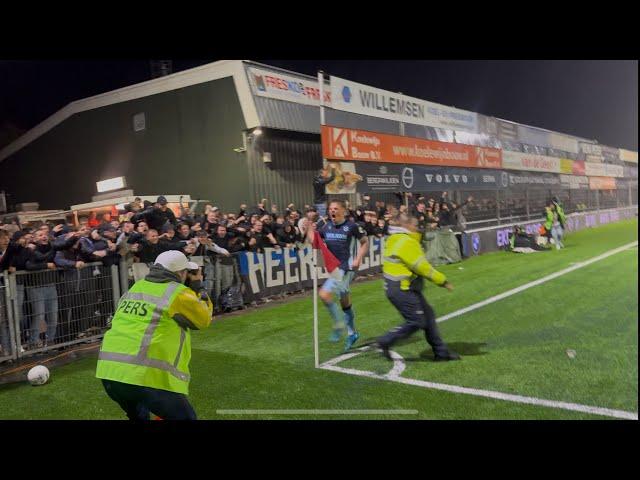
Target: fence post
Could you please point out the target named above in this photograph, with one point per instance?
(13, 339)
(13, 308)
(123, 270)
(115, 285)
(498, 206)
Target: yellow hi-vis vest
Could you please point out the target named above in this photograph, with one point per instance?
(404, 260)
(145, 345)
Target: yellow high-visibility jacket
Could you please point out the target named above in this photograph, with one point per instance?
(404, 260)
(149, 343)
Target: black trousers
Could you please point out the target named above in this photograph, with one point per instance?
(418, 315)
(139, 402)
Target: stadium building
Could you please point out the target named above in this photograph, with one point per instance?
(236, 131)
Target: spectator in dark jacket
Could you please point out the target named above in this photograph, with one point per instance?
(211, 223)
(17, 253)
(258, 240)
(93, 248)
(148, 248)
(42, 291)
(15, 259)
(223, 238)
(446, 219)
(157, 215)
(286, 235)
(168, 239)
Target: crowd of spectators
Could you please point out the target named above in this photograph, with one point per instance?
(143, 230)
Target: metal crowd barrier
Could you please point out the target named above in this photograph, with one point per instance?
(7, 333)
(47, 310)
(219, 273)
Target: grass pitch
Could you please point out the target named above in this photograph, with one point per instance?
(263, 359)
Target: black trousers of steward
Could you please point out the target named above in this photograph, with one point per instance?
(417, 313)
(139, 402)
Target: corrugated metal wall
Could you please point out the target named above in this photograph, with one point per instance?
(295, 159)
(186, 147)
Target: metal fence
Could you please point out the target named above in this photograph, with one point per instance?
(498, 207)
(7, 335)
(50, 309)
(219, 273)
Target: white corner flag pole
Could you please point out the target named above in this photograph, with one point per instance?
(316, 349)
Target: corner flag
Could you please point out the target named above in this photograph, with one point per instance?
(327, 259)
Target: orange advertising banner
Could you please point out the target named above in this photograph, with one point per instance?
(602, 183)
(348, 144)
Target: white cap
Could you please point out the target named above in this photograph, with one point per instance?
(174, 261)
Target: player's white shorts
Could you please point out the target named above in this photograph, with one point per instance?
(339, 287)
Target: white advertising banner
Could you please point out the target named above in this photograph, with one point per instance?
(574, 182)
(614, 170)
(364, 100)
(530, 162)
(590, 149)
(603, 170)
(593, 169)
(265, 83)
(533, 136)
(564, 143)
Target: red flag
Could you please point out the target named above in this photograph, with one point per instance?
(327, 259)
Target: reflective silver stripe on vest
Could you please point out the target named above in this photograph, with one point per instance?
(417, 262)
(396, 278)
(145, 297)
(391, 260)
(146, 362)
(155, 318)
(183, 335)
(430, 273)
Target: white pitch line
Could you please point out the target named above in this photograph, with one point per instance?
(576, 407)
(317, 412)
(398, 362)
(526, 286)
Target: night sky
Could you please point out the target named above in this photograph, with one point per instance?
(591, 99)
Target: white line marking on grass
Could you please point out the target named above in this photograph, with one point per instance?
(317, 412)
(576, 407)
(526, 286)
(399, 366)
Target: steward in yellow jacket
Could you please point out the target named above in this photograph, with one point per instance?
(404, 268)
(144, 358)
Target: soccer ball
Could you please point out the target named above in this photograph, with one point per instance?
(38, 375)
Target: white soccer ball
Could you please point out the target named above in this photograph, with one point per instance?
(38, 375)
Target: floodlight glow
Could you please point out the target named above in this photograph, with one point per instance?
(110, 184)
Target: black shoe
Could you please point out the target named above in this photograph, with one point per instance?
(449, 356)
(385, 352)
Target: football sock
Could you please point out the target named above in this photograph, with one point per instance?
(337, 316)
(349, 317)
